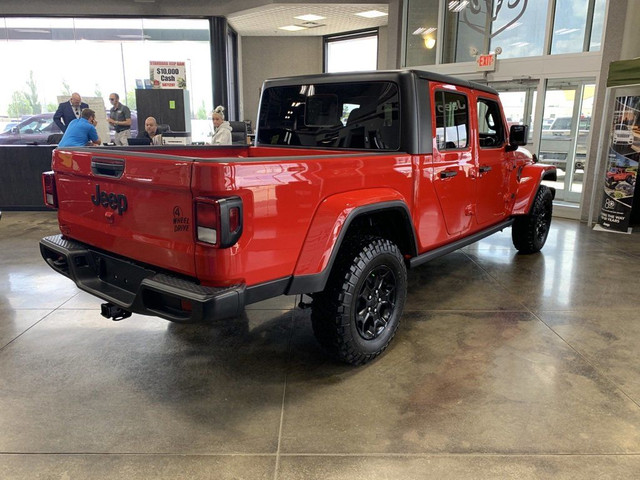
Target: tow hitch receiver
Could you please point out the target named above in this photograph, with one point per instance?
(115, 313)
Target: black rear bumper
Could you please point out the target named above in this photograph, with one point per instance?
(138, 288)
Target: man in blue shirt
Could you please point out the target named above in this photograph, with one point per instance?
(81, 131)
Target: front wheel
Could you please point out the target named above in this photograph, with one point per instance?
(529, 232)
(357, 315)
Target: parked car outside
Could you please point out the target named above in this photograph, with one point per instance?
(556, 141)
(34, 130)
(622, 134)
(561, 127)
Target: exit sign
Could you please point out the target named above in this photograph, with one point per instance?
(486, 62)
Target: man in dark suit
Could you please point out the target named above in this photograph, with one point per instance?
(68, 111)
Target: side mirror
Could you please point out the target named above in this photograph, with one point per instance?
(518, 135)
(15, 130)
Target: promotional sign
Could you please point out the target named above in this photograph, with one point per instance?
(622, 165)
(167, 74)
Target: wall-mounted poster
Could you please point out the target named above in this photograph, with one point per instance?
(622, 165)
(167, 74)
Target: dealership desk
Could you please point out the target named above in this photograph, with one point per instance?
(21, 167)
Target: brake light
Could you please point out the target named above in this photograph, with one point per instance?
(218, 221)
(49, 193)
(207, 222)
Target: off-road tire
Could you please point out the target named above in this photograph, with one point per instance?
(529, 232)
(357, 315)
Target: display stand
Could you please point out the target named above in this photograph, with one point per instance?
(614, 207)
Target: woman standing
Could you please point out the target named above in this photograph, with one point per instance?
(221, 128)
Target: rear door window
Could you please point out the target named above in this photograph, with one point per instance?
(452, 120)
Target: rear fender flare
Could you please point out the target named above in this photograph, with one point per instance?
(329, 227)
(531, 177)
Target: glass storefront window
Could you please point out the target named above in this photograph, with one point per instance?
(102, 56)
(351, 52)
(514, 104)
(595, 43)
(565, 134)
(518, 103)
(17, 28)
(422, 32)
(518, 27)
(465, 27)
(569, 29)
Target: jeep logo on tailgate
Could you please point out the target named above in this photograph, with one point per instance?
(112, 200)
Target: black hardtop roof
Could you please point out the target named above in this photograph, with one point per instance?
(377, 75)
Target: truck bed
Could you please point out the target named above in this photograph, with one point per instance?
(138, 202)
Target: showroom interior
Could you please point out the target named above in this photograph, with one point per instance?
(504, 365)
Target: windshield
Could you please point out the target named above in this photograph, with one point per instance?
(337, 115)
(36, 124)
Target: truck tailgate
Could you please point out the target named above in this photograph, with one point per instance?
(133, 204)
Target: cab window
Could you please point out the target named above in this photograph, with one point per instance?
(452, 120)
(490, 127)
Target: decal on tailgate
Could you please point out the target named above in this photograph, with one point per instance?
(110, 200)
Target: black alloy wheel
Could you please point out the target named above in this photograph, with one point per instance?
(529, 232)
(376, 302)
(357, 315)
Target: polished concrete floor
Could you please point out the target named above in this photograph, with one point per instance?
(504, 366)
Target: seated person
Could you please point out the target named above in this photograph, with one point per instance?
(221, 128)
(81, 131)
(151, 131)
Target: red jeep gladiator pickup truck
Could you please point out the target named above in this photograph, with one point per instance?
(353, 179)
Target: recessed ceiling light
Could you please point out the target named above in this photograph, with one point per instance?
(292, 28)
(565, 31)
(310, 18)
(424, 31)
(372, 14)
(458, 5)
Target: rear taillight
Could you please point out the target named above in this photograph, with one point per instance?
(218, 221)
(49, 190)
(207, 222)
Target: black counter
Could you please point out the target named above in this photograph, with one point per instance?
(21, 167)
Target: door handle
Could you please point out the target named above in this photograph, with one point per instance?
(448, 173)
(107, 167)
(485, 169)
